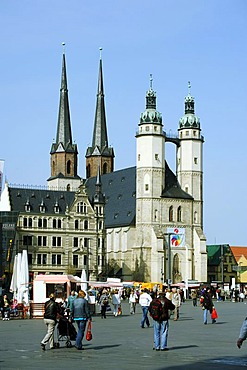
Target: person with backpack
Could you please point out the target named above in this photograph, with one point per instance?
(159, 311)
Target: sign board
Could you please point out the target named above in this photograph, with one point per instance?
(8, 226)
(177, 236)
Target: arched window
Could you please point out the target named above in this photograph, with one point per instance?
(88, 170)
(86, 224)
(54, 223)
(30, 222)
(25, 222)
(68, 167)
(76, 224)
(45, 223)
(53, 168)
(59, 224)
(68, 187)
(195, 217)
(179, 214)
(171, 213)
(105, 168)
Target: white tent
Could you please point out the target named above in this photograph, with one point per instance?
(13, 285)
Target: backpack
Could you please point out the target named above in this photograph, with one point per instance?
(105, 301)
(155, 309)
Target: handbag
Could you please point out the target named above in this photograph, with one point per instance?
(214, 314)
(89, 335)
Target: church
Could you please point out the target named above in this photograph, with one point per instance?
(142, 223)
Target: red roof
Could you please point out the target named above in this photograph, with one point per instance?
(238, 252)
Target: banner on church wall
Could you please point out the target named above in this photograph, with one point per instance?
(177, 236)
(1, 175)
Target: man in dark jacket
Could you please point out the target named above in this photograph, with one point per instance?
(161, 324)
(50, 315)
(80, 313)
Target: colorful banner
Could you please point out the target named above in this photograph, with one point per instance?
(177, 236)
(1, 175)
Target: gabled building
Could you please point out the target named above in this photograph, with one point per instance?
(240, 256)
(221, 264)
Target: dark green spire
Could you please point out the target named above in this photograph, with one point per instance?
(64, 133)
(100, 133)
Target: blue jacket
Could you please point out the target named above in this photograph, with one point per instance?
(243, 330)
(80, 309)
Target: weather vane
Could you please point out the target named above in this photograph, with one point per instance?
(189, 87)
(151, 81)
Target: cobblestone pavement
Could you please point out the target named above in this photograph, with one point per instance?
(119, 343)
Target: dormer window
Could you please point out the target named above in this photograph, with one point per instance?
(42, 207)
(56, 208)
(27, 206)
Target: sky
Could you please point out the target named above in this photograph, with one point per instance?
(201, 41)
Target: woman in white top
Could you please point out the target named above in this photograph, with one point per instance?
(116, 302)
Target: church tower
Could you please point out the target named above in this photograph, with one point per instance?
(99, 153)
(63, 151)
(150, 162)
(190, 157)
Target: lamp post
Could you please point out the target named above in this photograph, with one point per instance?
(169, 278)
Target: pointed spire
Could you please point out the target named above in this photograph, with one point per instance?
(98, 196)
(64, 135)
(100, 133)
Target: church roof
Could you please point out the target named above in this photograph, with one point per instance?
(172, 186)
(119, 188)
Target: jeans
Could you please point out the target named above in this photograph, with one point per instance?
(145, 316)
(80, 334)
(49, 337)
(160, 334)
(205, 315)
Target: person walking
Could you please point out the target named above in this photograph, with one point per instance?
(104, 302)
(176, 300)
(116, 302)
(242, 334)
(50, 315)
(133, 298)
(159, 310)
(80, 314)
(194, 297)
(144, 301)
(5, 307)
(70, 300)
(207, 304)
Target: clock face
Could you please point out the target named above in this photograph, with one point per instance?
(151, 101)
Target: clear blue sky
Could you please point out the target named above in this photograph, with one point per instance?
(177, 41)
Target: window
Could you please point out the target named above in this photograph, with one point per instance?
(76, 225)
(25, 222)
(56, 208)
(30, 222)
(27, 240)
(75, 244)
(147, 128)
(139, 157)
(59, 224)
(54, 223)
(146, 187)
(155, 128)
(195, 217)
(187, 133)
(75, 260)
(42, 208)
(194, 133)
(56, 241)
(85, 260)
(42, 241)
(171, 213)
(104, 168)
(81, 207)
(86, 224)
(98, 260)
(186, 189)
(41, 259)
(156, 156)
(42, 223)
(86, 243)
(56, 259)
(69, 167)
(179, 214)
(195, 160)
